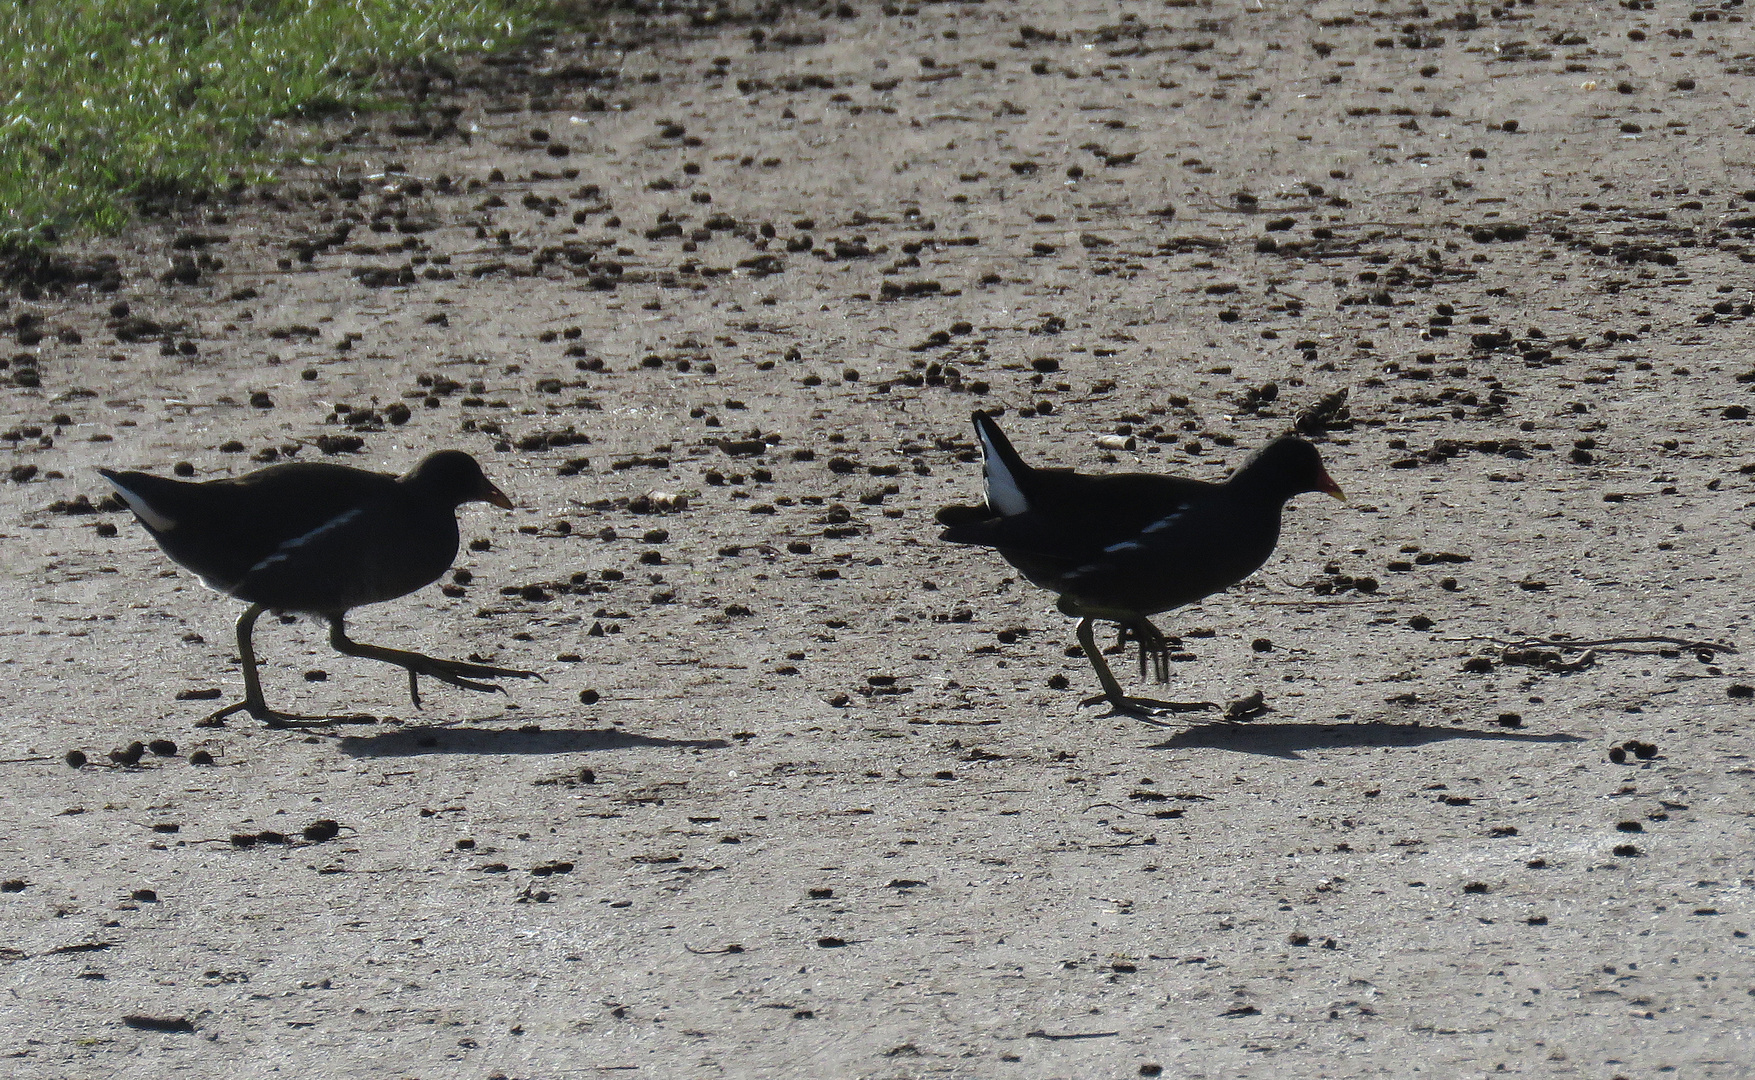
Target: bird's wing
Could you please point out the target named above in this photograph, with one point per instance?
(363, 555)
(222, 529)
(1177, 559)
(1075, 518)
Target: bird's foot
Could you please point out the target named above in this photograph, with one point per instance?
(274, 718)
(1153, 645)
(1147, 708)
(462, 672)
(285, 720)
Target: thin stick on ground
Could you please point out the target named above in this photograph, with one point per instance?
(1575, 644)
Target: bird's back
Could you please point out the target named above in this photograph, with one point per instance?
(1071, 516)
(304, 536)
(1128, 543)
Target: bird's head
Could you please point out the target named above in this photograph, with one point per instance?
(1286, 467)
(457, 478)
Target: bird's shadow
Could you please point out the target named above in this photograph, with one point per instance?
(437, 739)
(1285, 740)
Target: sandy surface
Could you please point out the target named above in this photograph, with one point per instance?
(833, 809)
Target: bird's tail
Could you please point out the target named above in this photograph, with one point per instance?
(1005, 471)
(144, 510)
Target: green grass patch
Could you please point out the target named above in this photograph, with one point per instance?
(104, 100)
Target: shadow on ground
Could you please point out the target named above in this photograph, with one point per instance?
(415, 741)
(1285, 740)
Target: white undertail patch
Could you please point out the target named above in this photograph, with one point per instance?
(143, 509)
(1003, 494)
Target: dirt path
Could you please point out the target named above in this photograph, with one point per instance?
(826, 812)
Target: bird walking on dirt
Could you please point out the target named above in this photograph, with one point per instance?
(319, 539)
(1125, 546)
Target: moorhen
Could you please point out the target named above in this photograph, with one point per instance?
(1124, 546)
(319, 539)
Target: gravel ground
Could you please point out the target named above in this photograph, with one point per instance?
(808, 793)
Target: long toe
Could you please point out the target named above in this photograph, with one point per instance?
(1159, 653)
(289, 720)
(468, 684)
(276, 719)
(1138, 708)
(217, 719)
(485, 672)
(454, 672)
(1147, 708)
(459, 673)
(1176, 706)
(440, 669)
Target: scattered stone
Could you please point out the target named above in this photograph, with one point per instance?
(172, 1024)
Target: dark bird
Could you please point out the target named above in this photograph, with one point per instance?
(319, 539)
(1125, 546)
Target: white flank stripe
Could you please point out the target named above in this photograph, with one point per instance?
(1125, 545)
(1164, 523)
(142, 509)
(286, 549)
(1003, 494)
